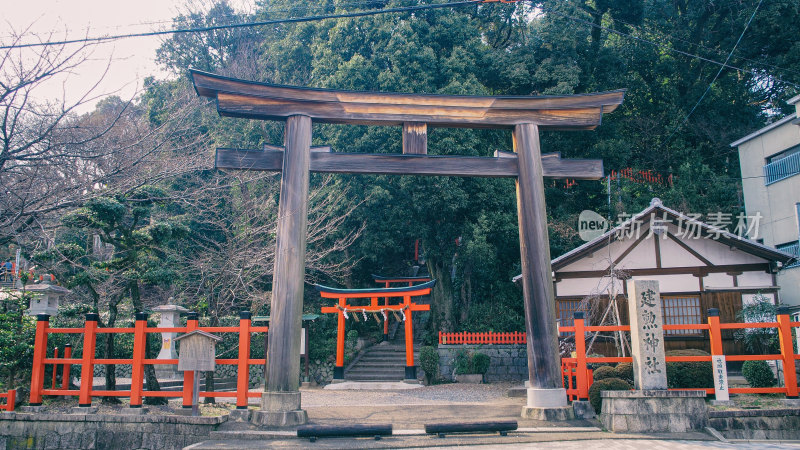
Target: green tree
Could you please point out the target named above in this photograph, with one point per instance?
(134, 253)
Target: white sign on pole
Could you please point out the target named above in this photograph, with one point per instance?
(720, 378)
(302, 342)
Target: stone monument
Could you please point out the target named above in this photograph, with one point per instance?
(650, 407)
(170, 317)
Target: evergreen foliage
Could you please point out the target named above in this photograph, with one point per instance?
(606, 384)
(758, 374)
(686, 375)
(206, 237)
(429, 363)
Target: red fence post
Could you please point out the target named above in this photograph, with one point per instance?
(65, 371)
(580, 349)
(714, 332)
(192, 322)
(137, 369)
(55, 369)
(787, 352)
(243, 371)
(11, 399)
(87, 365)
(39, 353)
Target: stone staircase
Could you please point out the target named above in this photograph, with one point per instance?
(382, 362)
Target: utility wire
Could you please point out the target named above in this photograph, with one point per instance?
(234, 16)
(378, 12)
(644, 29)
(662, 46)
(685, 119)
(248, 24)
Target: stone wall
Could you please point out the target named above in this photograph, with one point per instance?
(783, 424)
(320, 372)
(103, 431)
(509, 361)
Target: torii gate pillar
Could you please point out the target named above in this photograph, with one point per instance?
(280, 402)
(547, 398)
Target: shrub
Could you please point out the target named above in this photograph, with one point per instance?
(429, 362)
(461, 362)
(597, 365)
(603, 372)
(480, 363)
(687, 375)
(758, 374)
(624, 371)
(606, 384)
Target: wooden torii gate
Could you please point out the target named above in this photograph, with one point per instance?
(414, 112)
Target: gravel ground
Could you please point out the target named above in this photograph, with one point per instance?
(454, 393)
(442, 394)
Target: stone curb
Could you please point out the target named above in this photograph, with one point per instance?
(121, 418)
(754, 413)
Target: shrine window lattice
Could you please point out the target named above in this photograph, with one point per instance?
(681, 311)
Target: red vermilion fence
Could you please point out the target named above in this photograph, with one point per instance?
(491, 337)
(11, 398)
(88, 360)
(576, 369)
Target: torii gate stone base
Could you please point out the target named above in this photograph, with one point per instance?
(280, 403)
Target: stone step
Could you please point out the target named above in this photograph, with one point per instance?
(381, 364)
(399, 377)
(368, 371)
(379, 358)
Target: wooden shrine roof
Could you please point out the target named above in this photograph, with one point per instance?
(400, 279)
(250, 99)
(378, 292)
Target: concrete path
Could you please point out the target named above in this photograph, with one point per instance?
(409, 410)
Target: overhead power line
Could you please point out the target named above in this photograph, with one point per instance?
(652, 30)
(247, 24)
(746, 26)
(663, 46)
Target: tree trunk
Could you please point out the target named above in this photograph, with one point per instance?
(111, 376)
(442, 298)
(149, 371)
(210, 374)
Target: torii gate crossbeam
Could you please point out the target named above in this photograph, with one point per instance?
(414, 112)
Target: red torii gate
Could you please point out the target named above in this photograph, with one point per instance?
(405, 308)
(387, 282)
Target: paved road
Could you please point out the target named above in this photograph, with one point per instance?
(637, 444)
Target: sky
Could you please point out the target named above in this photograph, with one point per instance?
(128, 61)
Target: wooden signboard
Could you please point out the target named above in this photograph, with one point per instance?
(197, 354)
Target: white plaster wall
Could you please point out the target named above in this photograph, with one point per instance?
(717, 280)
(673, 255)
(721, 254)
(749, 299)
(600, 259)
(673, 283)
(581, 287)
(789, 281)
(755, 279)
(775, 202)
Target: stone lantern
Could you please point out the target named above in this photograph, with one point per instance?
(45, 298)
(170, 317)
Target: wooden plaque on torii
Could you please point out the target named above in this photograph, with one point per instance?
(524, 115)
